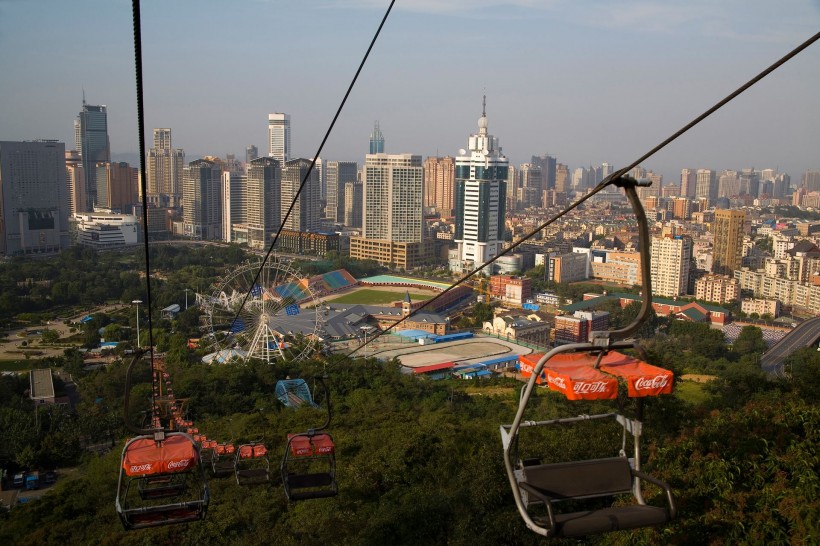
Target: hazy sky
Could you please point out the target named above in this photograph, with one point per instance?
(585, 81)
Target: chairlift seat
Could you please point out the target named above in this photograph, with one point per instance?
(548, 483)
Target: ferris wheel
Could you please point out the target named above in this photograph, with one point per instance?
(279, 320)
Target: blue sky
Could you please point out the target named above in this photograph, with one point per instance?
(588, 82)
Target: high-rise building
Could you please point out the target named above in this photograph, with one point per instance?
(671, 262)
(251, 153)
(376, 140)
(480, 200)
(264, 194)
(91, 140)
(164, 170)
(338, 174)
(306, 214)
(562, 178)
(202, 200)
(706, 185)
(33, 198)
(75, 176)
(234, 202)
(393, 197)
(354, 202)
(531, 181)
(727, 230)
(687, 183)
(549, 166)
(279, 137)
(439, 183)
(117, 185)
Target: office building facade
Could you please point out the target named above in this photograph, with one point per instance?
(91, 141)
(727, 230)
(481, 188)
(279, 137)
(33, 198)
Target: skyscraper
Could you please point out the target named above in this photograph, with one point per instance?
(481, 187)
(164, 170)
(671, 261)
(376, 140)
(353, 204)
(727, 230)
(33, 198)
(306, 214)
(532, 185)
(234, 202)
(91, 140)
(549, 167)
(251, 153)
(706, 185)
(393, 197)
(75, 177)
(117, 186)
(279, 137)
(337, 174)
(202, 200)
(687, 183)
(439, 183)
(264, 195)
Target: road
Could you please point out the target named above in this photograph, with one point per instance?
(804, 335)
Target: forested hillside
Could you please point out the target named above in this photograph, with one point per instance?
(420, 462)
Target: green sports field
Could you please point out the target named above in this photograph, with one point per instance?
(369, 296)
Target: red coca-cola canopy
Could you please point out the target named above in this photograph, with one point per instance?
(145, 457)
(642, 379)
(302, 445)
(573, 375)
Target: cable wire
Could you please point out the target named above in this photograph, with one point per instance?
(135, 7)
(312, 163)
(614, 178)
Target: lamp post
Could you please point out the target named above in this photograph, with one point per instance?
(138, 302)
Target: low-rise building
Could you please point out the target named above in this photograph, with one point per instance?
(104, 230)
(760, 306)
(717, 288)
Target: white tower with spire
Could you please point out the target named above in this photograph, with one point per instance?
(481, 188)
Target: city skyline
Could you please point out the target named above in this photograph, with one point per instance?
(595, 91)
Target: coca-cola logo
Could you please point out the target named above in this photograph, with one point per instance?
(179, 464)
(141, 468)
(557, 381)
(585, 387)
(657, 382)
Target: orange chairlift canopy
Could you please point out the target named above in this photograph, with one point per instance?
(302, 445)
(174, 454)
(574, 375)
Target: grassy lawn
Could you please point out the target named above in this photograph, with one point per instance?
(369, 296)
(691, 392)
(21, 365)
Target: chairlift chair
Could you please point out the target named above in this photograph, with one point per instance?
(590, 371)
(223, 462)
(171, 486)
(165, 466)
(252, 465)
(308, 466)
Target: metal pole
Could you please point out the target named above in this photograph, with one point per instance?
(138, 302)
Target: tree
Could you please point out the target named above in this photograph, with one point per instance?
(50, 336)
(749, 341)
